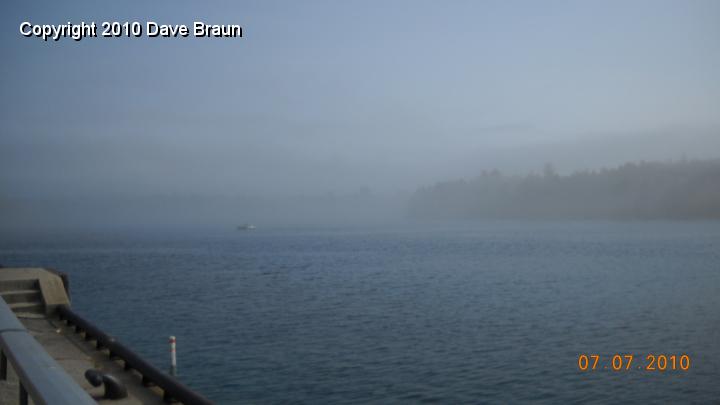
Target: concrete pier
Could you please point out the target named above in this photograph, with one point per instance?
(33, 294)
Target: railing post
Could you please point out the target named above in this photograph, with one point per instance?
(3, 366)
(23, 399)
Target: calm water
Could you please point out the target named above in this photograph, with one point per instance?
(489, 312)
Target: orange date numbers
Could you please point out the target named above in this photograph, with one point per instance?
(627, 362)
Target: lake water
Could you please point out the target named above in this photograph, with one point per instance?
(494, 312)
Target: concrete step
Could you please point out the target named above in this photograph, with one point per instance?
(28, 307)
(21, 296)
(13, 285)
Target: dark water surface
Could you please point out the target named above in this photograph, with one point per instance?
(489, 312)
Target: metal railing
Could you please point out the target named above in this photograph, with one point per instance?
(41, 377)
(173, 390)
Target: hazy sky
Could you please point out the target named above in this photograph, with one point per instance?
(332, 96)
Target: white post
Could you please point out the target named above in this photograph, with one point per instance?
(173, 356)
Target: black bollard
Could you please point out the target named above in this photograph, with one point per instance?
(114, 389)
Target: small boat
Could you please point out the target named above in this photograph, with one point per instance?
(246, 227)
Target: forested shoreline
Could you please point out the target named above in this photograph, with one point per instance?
(646, 190)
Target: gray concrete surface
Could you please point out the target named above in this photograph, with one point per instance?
(49, 284)
(68, 348)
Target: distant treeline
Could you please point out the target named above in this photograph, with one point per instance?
(646, 190)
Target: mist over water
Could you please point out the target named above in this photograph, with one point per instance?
(337, 113)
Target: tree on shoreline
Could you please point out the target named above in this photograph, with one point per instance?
(645, 190)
